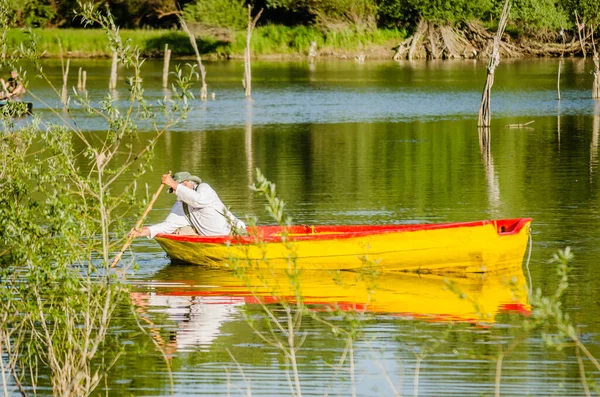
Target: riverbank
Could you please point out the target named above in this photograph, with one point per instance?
(429, 41)
(270, 41)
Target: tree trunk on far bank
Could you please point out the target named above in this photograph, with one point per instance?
(204, 89)
(247, 81)
(485, 108)
(470, 39)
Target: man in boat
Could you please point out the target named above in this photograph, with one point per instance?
(197, 211)
(13, 87)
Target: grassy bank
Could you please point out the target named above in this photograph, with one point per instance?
(278, 40)
(267, 41)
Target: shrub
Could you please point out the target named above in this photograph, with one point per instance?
(218, 13)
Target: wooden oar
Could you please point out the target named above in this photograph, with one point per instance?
(137, 225)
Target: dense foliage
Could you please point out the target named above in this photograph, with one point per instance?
(395, 12)
(61, 13)
(58, 222)
(327, 14)
(588, 10)
(218, 13)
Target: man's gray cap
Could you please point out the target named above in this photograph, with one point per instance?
(183, 176)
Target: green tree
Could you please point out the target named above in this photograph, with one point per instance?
(532, 15)
(332, 14)
(341, 14)
(32, 13)
(218, 13)
(588, 10)
(58, 223)
(410, 12)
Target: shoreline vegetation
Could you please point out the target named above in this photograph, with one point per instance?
(271, 41)
(351, 29)
(430, 41)
(66, 318)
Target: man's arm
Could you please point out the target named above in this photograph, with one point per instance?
(143, 232)
(20, 89)
(174, 221)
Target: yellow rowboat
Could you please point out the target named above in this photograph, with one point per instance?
(467, 247)
(476, 298)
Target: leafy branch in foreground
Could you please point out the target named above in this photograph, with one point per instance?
(62, 210)
(549, 318)
(287, 333)
(558, 331)
(284, 324)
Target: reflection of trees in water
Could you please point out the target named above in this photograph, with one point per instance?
(248, 144)
(558, 126)
(493, 186)
(594, 141)
(484, 138)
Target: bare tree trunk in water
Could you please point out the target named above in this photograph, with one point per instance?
(204, 89)
(112, 83)
(596, 87)
(560, 62)
(166, 61)
(247, 81)
(485, 108)
(421, 29)
(65, 75)
(484, 139)
(596, 72)
(580, 27)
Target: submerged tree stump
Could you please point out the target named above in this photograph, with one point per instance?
(484, 139)
(112, 83)
(165, 76)
(560, 62)
(63, 95)
(485, 108)
(247, 80)
(81, 79)
(204, 89)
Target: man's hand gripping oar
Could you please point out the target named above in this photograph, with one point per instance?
(137, 225)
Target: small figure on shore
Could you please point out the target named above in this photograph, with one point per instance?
(197, 211)
(13, 87)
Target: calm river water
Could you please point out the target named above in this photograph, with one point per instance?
(374, 143)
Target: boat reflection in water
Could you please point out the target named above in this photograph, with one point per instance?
(200, 300)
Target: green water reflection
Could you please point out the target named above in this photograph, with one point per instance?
(402, 173)
(376, 143)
